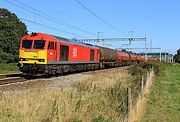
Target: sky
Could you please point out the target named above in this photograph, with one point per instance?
(158, 20)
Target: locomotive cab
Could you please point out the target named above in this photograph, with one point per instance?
(33, 52)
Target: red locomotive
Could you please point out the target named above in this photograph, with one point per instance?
(47, 54)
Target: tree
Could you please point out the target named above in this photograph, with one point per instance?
(11, 31)
(177, 56)
(178, 51)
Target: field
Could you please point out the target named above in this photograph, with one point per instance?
(8, 68)
(164, 101)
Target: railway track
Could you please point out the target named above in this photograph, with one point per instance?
(11, 75)
(18, 77)
(11, 78)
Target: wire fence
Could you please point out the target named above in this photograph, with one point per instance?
(128, 102)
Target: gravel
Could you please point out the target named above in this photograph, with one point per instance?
(55, 82)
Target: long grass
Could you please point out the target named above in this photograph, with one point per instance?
(96, 99)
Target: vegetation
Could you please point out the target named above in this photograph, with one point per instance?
(163, 102)
(11, 30)
(8, 68)
(177, 56)
(101, 98)
(141, 69)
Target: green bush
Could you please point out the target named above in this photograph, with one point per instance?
(141, 69)
(177, 58)
(8, 68)
(8, 57)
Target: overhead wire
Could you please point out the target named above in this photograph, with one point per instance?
(38, 15)
(100, 18)
(54, 19)
(50, 27)
(32, 10)
(37, 23)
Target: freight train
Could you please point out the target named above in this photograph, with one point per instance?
(51, 55)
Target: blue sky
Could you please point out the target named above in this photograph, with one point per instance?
(159, 19)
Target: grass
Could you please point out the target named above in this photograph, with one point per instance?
(96, 99)
(8, 68)
(164, 100)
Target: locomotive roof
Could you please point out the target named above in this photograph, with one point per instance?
(73, 41)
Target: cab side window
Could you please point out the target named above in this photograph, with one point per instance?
(91, 55)
(51, 45)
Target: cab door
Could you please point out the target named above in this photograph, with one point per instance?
(51, 51)
(91, 55)
(64, 53)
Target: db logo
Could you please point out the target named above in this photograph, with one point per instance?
(51, 53)
(74, 52)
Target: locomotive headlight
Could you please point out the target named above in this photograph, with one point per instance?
(41, 60)
(23, 59)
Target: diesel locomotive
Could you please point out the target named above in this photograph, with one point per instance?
(51, 55)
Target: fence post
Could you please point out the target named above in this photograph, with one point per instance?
(142, 84)
(129, 101)
(147, 77)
